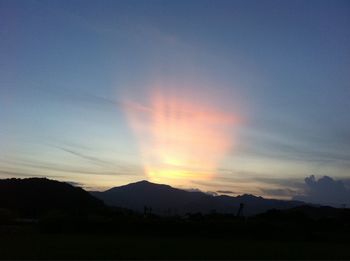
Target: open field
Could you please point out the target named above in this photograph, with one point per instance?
(85, 246)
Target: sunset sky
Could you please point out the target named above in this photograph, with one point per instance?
(225, 96)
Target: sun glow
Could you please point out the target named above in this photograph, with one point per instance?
(181, 136)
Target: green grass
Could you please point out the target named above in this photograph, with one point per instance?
(43, 246)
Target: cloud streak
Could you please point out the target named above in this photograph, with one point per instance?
(84, 156)
(224, 192)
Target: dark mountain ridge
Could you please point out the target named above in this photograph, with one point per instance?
(166, 200)
(33, 197)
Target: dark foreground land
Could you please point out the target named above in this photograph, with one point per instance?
(275, 236)
(155, 247)
(43, 219)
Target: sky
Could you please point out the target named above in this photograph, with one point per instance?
(229, 97)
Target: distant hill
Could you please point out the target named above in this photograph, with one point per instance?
(166, 200)
(35, 196)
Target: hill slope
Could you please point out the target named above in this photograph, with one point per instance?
(34, 196)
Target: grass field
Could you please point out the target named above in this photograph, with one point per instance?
(43, 246)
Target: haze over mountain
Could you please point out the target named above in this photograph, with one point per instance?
(166, 200)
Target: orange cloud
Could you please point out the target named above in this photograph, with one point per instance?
(181, 136)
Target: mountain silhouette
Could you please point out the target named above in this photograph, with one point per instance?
(166, 200)
(33, 197)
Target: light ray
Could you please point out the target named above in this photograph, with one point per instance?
(181, 137)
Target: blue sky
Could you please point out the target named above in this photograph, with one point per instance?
(67, 67)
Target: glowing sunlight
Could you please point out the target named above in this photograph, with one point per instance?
(181, 136)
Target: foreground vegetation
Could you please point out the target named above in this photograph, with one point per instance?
(121, 234)
(88, 246)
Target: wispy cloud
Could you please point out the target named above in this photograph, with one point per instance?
(78, 170)
(295, 150)
(84, 156)
(225, 192)
(279, 192)
(75, 184)
(4, 173)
